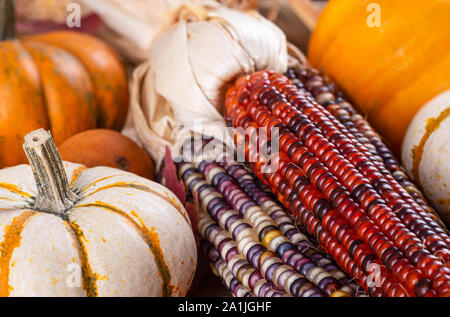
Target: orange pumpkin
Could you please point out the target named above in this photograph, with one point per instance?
(64, 81)
(103, 147)
(391, 57)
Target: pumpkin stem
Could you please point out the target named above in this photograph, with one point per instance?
(7, 20)
(54, 195)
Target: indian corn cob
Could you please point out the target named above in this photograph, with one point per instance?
(219, 267)
(284, 222)
(328, 95)
(339, 188)
(249, 236)
(261, 287)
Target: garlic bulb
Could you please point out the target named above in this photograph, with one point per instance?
(180, 90)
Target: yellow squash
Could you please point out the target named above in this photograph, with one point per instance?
(63, 80)
(391, 57)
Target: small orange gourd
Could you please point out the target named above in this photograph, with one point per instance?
(103, 147)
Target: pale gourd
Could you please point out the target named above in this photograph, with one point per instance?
(426, 152)
(68, 230)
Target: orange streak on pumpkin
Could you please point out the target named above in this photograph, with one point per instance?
(157, 251)
(8, 199)
(89, 278)
(97, 181)
(191, 279)
(10, 242)
(150, 237)
(147, 189)
(174, 202)
(417, 152)
(14, 189)
(76, 173)
(444, 201)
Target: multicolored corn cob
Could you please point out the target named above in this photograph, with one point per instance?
(220, 269)
(255, 239)
(343, 193)
(325, 92)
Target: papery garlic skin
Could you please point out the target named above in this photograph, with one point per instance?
(208, 54)
(181, 87)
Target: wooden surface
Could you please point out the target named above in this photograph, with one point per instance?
(297, 18)
(307, 11)
(212, 287)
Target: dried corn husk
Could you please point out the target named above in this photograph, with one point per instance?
(180, 89)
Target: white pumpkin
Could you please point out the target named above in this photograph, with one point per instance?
(97, 232)
(426, 152)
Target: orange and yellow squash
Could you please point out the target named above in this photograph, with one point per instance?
(64, 81)
(391, 57)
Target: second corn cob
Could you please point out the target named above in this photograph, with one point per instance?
(256, 239)
(342, 185)
(328, 95)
